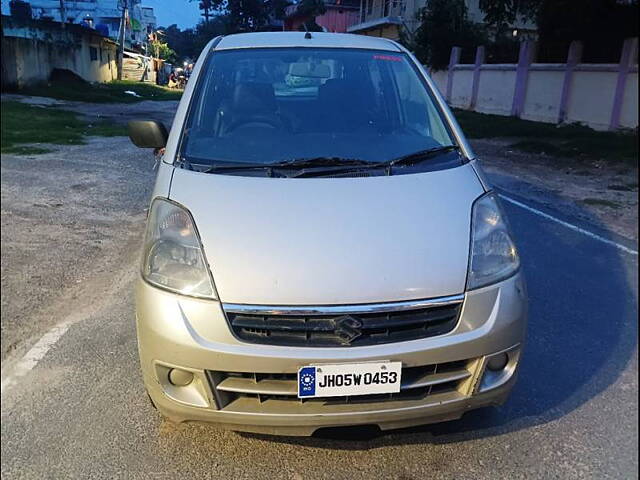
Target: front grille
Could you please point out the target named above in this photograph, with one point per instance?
(250, 391)
(343, 330)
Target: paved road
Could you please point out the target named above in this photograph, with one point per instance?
(82, 412)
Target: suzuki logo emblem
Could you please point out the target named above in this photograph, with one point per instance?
(348, 328)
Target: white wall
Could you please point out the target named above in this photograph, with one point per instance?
(461, 89)
(629, 114)
(440, 79)
(542, 100)
(495, 90)
(590, 102)
(592, 98)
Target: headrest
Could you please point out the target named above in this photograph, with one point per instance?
(334, 89)
(254, 98)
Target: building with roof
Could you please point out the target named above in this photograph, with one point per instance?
(339, 16)
(33, 49)
(389, 18)
(102, 15)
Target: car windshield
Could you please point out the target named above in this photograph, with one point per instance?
(273, 105)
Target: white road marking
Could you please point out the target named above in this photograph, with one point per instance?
(569, 225)
(33, 356)
(97, 298)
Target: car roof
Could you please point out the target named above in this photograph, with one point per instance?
(297, 39)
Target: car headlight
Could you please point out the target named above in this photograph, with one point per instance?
(493, 254)
(173, 258)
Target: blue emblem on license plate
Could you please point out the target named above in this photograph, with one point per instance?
(307, 382)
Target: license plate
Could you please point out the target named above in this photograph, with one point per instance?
(349, 379)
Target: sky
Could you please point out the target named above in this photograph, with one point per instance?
(181, 12)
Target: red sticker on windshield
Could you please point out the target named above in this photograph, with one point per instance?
(388, 58)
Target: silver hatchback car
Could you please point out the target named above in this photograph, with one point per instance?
(321, 248)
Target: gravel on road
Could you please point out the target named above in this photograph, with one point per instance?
(70, 220)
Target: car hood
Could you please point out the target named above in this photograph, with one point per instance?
(323, 241)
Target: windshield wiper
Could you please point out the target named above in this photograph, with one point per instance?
(235, 166)
(295, 163)
(321, 162)
(421, 155)
(241, 166)
(209, 168)
(330, 163)
(318, 166)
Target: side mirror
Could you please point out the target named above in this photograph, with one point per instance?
(148, 134)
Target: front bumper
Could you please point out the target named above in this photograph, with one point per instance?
(192, 335)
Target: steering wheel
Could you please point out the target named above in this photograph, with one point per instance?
(270, 121)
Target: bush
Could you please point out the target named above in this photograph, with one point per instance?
(444, 24)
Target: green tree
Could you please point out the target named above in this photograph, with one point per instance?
(443, 25)
(247, 15)
(206, 6)
(242, 15)
(311, 9)
(206, 31)
(601, 25)
(182, 42)
(162, 50)
(278, 8)
(499, 15)
(223, 17)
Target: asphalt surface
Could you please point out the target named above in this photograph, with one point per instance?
(82, 411)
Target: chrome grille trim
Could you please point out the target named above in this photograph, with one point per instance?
(251, 392)
(340, 309)
(288, 386)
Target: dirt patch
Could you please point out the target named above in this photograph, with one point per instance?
(606, 191)
(72, 222)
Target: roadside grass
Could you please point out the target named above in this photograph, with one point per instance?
(25, 150)
(601, 202)
(24, 126)
(574, 141)
(629, 187)
(112, 92)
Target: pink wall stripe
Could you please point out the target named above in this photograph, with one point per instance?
(454, 59)
(476, 77)
(525, 58)
(574, 57)
(629, 53)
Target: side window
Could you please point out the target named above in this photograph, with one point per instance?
(93, 54)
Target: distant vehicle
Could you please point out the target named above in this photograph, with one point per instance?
(177, 79)
(322, 248)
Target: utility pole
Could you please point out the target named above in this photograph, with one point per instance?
(123, 26)
(63, 14)
(3, 70)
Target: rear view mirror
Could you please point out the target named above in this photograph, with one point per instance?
(148, 134)
(309, 70)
